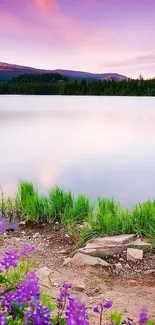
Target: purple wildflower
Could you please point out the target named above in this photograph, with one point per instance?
(64, 294)
(107, 304)
(24, 293)
(76, 313)
(1, 226)
(28, 289)
(67, 285)
(39, 316)
(3, 320)
(103, 304)
(10, 259)
(96, 309)
(27, 249)
(143, 316)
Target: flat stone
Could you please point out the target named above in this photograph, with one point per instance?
(67, 261)
(80, 260)
(112, 245)
(43, 272)
(140, 243)
(45, 280)
(149, 272)
(134, 255)
(79, 287)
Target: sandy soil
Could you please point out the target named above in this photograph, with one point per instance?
(127, 293)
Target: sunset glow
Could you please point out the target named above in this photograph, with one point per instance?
(87, 35)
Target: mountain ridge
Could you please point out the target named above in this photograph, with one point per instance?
(8, 71)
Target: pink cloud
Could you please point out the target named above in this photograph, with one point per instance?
(58, 31)
(139, 59)
(88, 4)
(46, 6)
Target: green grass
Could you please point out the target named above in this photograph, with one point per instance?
(104, 217)
(112, 219)
(56, 205)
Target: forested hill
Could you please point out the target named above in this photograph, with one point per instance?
(38, 78)
(9, 71)
(57, 84)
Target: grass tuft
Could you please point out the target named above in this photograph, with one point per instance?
(105, 217)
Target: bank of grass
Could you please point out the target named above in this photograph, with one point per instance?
(56, 205)
(104, 217)
(112, 219)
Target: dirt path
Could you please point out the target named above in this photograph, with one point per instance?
(128, 294)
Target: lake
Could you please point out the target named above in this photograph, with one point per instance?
(98, 146)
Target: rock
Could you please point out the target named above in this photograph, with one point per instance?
(37, 235)
(18, 239)
(80, 260)
(43, 272)
(67, 261)
(113, 245)
(118, 267)
(121, 259)
(134, 255)
(79, 287)
(140, 243)
(63, 251)
(127, 267)
(22, 223)
(149, 272)
(45, 281)
(23, 233)
(56, 285)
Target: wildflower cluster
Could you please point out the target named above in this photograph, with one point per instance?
(38, 316)
(76, 313)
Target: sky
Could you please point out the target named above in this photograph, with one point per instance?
(86, 35)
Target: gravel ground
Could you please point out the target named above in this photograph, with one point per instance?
(129, 288)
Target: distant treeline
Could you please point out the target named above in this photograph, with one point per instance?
(56, 84)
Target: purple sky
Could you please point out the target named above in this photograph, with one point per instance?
(88, 35)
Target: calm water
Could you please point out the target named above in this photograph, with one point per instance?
(99, 146)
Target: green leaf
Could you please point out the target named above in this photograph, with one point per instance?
(62, 322)
(116, 317)
(53, 307)
(3, 279)
(6, 291)
(18, 311)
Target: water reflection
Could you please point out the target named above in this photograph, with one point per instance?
(94, 145)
